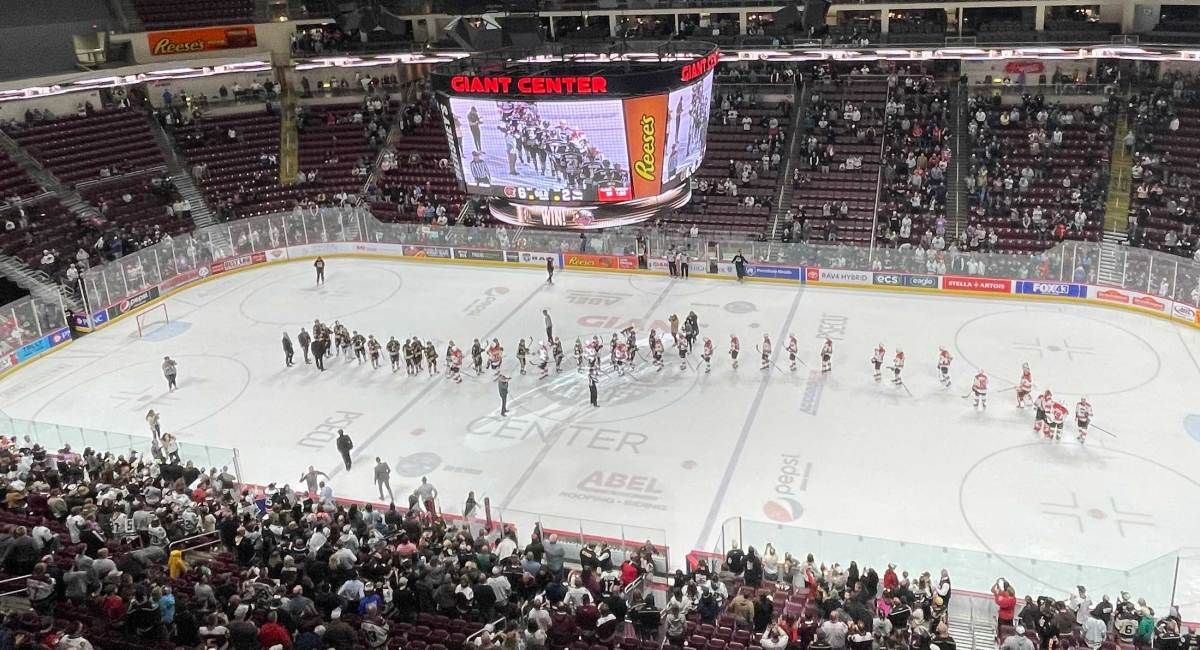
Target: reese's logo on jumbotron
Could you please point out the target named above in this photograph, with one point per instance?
(645, 165)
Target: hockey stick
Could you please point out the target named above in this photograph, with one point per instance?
(902, 385)
(1103, 430)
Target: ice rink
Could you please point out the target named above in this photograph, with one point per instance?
(678, 451)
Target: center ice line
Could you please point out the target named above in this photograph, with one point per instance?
(736, 455)
(360, 448)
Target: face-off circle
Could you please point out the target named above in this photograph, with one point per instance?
(1079, 509)
(1068, 353)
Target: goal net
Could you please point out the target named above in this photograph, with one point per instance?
(151, 319)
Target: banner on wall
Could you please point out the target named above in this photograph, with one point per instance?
(1065, 290)
(201, 39)
(438, 252)
(531, 257)
(1131, 298)
(1184, 312)
(773, 272)
(905, 280)
(229, 264)
(478, 254)
(587, 261)
(978, 285)
(133, 302)
(30, 350)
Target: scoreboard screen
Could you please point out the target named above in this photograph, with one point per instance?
(546, 151)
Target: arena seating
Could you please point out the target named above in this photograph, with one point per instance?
(238, 174)
(733, 154)
(824, 184)
(76, 148)
(174, 14)
(50, 226)
(394, 200)
(1166, 163)
(147, 209)
(14, 181)
(1063, 179)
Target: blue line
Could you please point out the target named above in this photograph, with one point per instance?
(736, 455)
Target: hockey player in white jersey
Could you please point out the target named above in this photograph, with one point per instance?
(943, 365)
(979, 388)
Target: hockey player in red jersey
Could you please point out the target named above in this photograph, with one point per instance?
(707, 354)
(765, 350)
(897, 367)
(1024, 386)
(792, 346)
(943, 364)
(454, 361)
(1058, 414)
(979, 388)
(827, 355)
(877, 361)
(1083, 417)
(735, 347)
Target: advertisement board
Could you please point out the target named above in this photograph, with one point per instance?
(178, 280)
(645, 131)
(201, 39)
(28, 351)
(440, 252)
(1062, 289)
(478, 254)
(231, 263)
(532, 258)
(1185, 313)
(587, 261)
(130, 303)
(977, 285)
(1131, 298)
(886, 279)
(774, 272)
(837, 275)
(546, 151)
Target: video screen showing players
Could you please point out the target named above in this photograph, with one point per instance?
(546, 151)
(687, 128)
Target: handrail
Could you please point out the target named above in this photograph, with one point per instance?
(17, 591)
(487, 627)
(172, 545)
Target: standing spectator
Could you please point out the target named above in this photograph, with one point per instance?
(344, 445)
(1006, 602)
(288, 351)
(170, 370)
(383, 478)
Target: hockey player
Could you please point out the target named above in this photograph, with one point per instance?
(877, 361)
(373, 349)
(791, 350)
(543, 359)
(656, 350)
(477, 357)
(897, 367)
(410, 356)
(360, 346)
(707, 354)
(341, 336)
(1024, 386)
(631, 347)
(454, 360)
(735, 346)
(522, 352)
(393, 348)
(691, 328)
(943, 364)
(827, 355)
(765, 350)
(1041, 407)
(1058, 414)
(431, 357)
(1083, 417)
(578, 355)
(614, 357)
(979, 388)
(557, 351)
(618, 355)
(682, 344)
(495, 355)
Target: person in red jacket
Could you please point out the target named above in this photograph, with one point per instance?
(272, 633)
(1006, 600)
(629, 573)
(890, 580)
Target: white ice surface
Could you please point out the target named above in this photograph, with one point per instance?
(866, 458)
